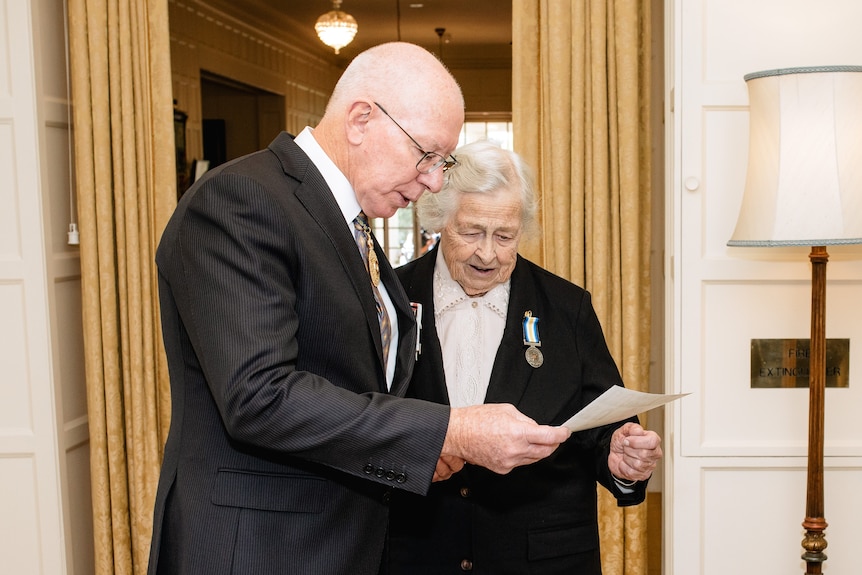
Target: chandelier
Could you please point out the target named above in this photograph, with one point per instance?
(336, 29)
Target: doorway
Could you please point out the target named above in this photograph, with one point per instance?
(237, 119)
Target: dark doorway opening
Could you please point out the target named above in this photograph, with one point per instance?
(237, 118)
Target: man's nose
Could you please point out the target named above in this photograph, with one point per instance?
(433, 181)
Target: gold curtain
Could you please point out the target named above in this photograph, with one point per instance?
(126, 188)
(581, 79)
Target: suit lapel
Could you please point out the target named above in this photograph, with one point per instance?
(315, 196)
(405, 350)
(511, 373)
(429, 379)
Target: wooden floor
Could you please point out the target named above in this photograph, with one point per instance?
(655, 533)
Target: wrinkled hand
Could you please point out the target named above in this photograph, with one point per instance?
(635, 452)
(447, 466)
(498, 437)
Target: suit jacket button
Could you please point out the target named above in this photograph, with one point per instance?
(465, 492)
(387, 495)
(466, 565)
(368, 469)
(390, 475)
(379, 472)
(401, 478)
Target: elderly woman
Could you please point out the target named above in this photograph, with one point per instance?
(496, 328)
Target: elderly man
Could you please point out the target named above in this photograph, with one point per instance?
(497, 328)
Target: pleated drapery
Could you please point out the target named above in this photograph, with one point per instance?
(581, 81)
(126, 189)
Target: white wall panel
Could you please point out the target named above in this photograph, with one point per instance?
(15, 405)
(723, 176)
(32, 535)
(5, 56)
(766, 505)
(725, 415)
(736, 469)
(10, 240)
(19, 539)
(842, 507)
(742, 36)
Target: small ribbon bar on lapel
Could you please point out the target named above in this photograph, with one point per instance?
(417, 313)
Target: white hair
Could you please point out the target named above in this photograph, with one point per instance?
(484, 168)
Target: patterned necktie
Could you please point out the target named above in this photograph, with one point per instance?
(362, 233)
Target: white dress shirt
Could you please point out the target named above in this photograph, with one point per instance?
(470, 330)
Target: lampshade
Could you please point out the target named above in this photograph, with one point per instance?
(804, 179)
(336, 29)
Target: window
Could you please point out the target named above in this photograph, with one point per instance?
(500, 132)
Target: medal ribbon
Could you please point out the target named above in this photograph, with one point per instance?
(531, 330)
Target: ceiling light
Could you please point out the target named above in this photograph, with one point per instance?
(336, 29)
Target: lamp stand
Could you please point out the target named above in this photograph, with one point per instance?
(815, 541)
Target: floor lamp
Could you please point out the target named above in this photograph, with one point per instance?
(804, 188)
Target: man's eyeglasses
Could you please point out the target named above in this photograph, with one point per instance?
(429, 161)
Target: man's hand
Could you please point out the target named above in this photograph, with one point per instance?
(635, 452)
(497, 436)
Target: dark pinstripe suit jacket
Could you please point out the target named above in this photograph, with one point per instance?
(539, 519)
(284, 445)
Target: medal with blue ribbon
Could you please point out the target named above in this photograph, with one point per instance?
(531, 338)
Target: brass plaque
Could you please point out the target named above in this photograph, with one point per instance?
(784, 362)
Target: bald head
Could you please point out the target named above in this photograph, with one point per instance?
(402, 77)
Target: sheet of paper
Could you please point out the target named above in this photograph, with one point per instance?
(616, 404)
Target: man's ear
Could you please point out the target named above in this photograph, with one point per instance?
(356, 123)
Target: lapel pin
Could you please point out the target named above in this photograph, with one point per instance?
(417, 314)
